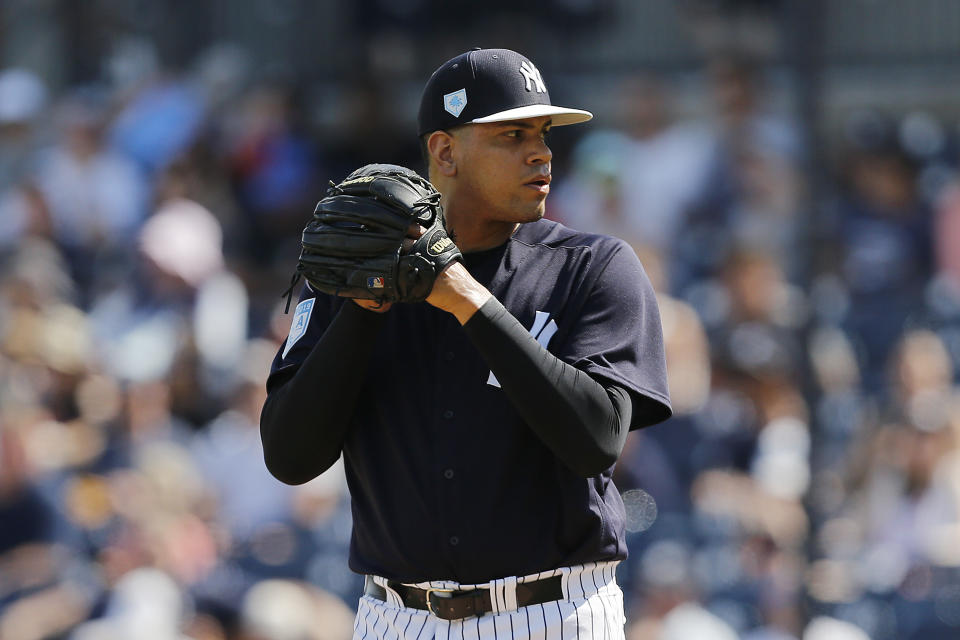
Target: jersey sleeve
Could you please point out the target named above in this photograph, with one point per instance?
(617, 336)
(309, 320)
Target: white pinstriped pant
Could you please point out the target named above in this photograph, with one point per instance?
(591, 609)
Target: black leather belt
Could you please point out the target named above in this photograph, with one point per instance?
(454, 604)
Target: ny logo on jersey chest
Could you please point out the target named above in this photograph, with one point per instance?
(541, 331)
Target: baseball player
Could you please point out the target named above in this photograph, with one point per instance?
(479, 429)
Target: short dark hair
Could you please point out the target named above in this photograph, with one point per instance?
(425, 153)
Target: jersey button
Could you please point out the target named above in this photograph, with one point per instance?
(454, 541)
(448, 474)
(448, 356)
(448, 414)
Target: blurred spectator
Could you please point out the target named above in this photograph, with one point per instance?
(745, 117)
(88, 198)
(97, 198)
(158, 122)
(664, 169)
(639, 184)
(27, 517)
(281, 610)
(947, 233)
(883, 251)
(23, 98)
(145, 603)
(182, 301)
(274, 169)
(666, 582)
(22, 101)
(909, 480)
(823, 628)
(231, 442)
(690, 621)
(23, 214)
(752, 190)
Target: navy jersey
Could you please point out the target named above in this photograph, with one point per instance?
(446, 480)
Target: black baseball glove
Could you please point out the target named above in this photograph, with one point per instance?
(353, 246)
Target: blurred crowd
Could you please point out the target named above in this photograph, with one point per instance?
(808, 486)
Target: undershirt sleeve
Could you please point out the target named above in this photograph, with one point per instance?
(584, 423)
(300, 442)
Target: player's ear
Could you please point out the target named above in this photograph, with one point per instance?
(440, 145)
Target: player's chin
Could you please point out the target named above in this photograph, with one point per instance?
(539, 211)
(527, 215)
(531, 211)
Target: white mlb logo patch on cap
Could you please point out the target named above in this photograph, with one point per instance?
(455, 102)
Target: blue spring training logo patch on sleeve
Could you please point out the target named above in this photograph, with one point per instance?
(301, 320)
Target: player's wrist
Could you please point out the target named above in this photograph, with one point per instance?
(456, 292)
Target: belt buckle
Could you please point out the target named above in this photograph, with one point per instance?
(430, 606)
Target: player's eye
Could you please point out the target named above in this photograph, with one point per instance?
(513, 133)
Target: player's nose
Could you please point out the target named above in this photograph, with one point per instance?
(541, 153)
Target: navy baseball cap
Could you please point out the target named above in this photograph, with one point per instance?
(488, 85)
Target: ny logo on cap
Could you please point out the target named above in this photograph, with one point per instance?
(454, 102)
(531, 74)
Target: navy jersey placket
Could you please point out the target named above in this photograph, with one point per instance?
(458, 412)
(449, 405)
